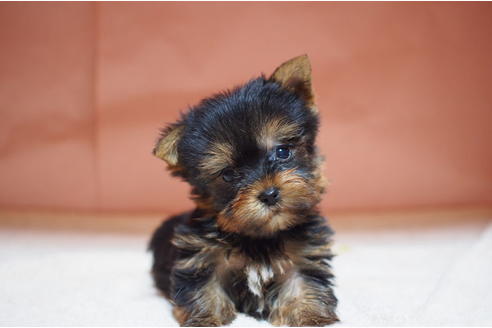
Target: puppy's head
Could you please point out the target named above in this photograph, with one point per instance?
(249, 153)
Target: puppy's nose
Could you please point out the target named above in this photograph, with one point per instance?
(270, 196)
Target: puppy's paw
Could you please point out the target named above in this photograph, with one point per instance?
(302, 316)
(189, 320)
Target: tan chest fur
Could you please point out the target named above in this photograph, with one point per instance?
(257, 274)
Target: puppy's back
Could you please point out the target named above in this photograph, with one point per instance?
(164, 252)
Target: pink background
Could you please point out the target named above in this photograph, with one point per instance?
(404, 90)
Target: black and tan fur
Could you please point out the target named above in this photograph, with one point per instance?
(256, 242)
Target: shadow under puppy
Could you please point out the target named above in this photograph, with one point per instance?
(256, 242)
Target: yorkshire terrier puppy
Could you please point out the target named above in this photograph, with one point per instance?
(256, 242)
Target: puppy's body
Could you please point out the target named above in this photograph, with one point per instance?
(257, 276)
(255, 243)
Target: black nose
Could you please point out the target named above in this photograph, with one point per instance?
(270, 196)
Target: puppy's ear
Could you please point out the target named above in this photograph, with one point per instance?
(166, 147)
(295, 75)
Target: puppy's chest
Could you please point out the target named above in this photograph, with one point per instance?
(258, 276)
(242, 274)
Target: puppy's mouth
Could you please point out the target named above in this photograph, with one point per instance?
(272, 204)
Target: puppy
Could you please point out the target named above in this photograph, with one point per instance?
(255, 243)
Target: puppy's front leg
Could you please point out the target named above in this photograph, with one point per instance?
(304, 297)
(197, 294)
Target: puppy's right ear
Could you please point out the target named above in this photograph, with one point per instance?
(166, 147)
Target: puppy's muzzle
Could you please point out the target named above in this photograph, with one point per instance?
(270, 196)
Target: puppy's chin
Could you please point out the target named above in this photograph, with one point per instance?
(248, 216)
(262, 224)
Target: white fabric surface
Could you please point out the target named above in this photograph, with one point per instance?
(423, 269)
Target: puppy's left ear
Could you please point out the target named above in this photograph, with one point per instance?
(295, 75)
(166, 147)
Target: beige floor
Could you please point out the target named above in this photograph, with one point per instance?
(413, 268)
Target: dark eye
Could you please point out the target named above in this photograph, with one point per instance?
(228, 174)
(282, 152)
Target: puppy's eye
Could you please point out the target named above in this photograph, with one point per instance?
(228, 174)
(282, 152)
